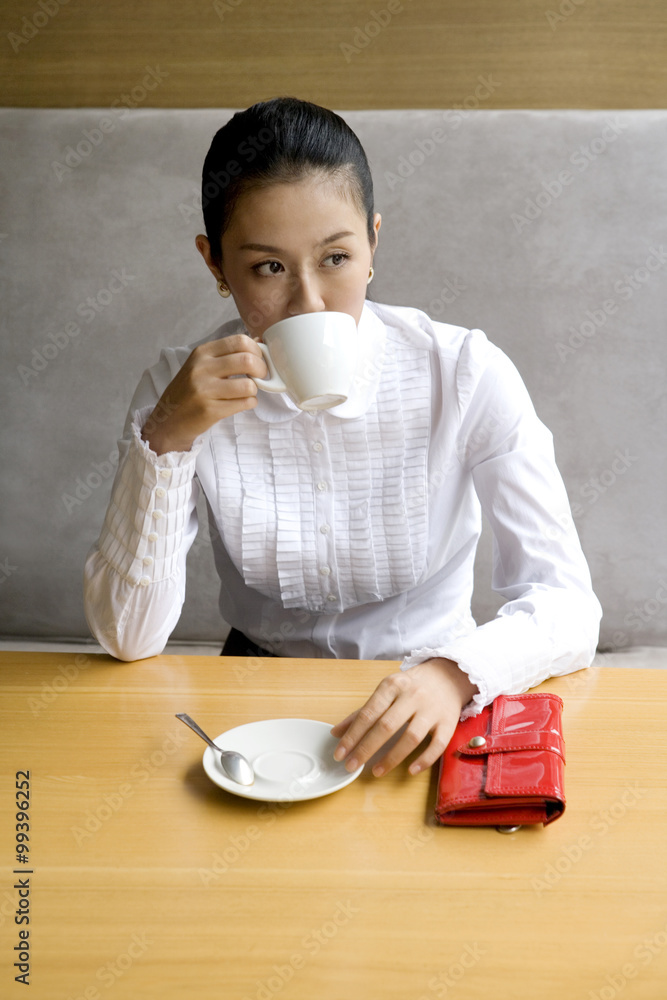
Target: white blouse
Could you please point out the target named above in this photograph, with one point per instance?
(351, 533)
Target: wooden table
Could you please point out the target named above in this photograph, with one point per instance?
(148, 881)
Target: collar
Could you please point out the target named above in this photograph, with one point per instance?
(276, 407)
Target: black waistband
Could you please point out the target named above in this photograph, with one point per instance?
(237, 644)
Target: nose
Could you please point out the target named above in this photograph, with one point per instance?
(305, 296)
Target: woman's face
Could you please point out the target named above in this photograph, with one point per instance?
(294, 248)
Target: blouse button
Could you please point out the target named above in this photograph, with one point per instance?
(152, 537)
(158, 515)
(145, 580)
(331, 597)
(165, 473)
(317, 446)
(160, 492)
(148, 560)
(324, 528)
(322, 486)
(325, 570)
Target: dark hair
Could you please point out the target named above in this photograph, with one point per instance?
(275, 141)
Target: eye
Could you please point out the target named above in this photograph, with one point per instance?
(267, 268)
(336, 259)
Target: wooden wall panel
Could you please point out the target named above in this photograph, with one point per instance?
(345, 54)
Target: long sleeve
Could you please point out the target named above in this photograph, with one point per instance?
(134, 577)
(549, 623)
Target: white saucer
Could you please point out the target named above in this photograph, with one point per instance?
(292, 760)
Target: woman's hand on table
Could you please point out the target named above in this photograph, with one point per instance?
(428, 697)
(204, 391)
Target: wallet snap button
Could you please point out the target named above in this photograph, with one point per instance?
(508, 829)
(477, 741)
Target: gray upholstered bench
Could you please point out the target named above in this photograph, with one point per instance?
(544, 228)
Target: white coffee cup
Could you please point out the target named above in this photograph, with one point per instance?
(311, 357)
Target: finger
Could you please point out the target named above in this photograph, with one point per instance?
(359, 724)
(414, 734)
(377, 736)
(215, 350)
(431, 754)
(236, 344)
(386, 693)
(239, 363)
(340, 727)
(233, 388)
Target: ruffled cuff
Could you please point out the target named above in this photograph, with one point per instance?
(170, 459)
(478, 701)
(508, 655)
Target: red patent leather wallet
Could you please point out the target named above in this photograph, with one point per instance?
(504, 767)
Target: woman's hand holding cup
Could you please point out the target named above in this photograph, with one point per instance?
(215, 382)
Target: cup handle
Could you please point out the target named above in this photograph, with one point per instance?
(274, 383)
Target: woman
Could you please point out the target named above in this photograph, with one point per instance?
(347, 533)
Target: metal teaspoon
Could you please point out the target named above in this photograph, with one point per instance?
(235, 765)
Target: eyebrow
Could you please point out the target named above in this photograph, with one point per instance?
(264, 248)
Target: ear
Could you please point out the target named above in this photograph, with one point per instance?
(377, 222)
(204, 247)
